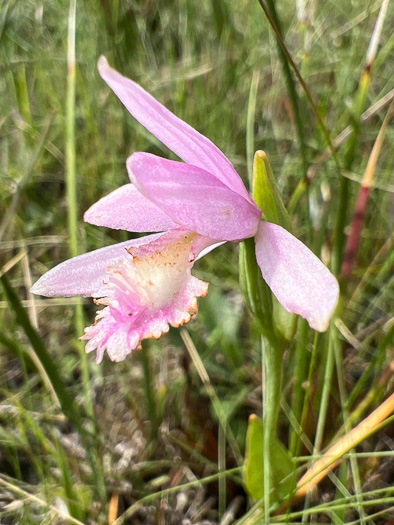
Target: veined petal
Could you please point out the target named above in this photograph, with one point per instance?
(298, 279)
(127, 209)
(145, 293)
(84, 274)
(179, 137)
(194, 198)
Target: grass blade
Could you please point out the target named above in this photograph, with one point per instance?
(71, 183)
(66, 401)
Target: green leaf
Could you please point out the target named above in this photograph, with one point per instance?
(253, 469)
(281, 465)
(284, 321)
(283, 470)
(266, 193)
(257, 294)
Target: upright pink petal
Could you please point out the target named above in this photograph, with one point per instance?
(84, 275)
(194, 198)
(127, 209)
(298, 279)
(179, 137)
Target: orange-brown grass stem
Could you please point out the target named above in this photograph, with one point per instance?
(113, 508)
(335, 454)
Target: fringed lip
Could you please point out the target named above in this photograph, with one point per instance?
(146, 293)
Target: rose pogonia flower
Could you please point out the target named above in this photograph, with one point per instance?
(146, 284)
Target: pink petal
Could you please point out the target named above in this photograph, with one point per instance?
(84, 275)
(146, 293)
(194, 198)
(204, 248)
(179, 137)
(298, 279)
(127, 209)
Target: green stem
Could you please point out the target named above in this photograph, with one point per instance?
(256, 292)
(250, 126)
(296, 441)
(302, 82)
(300, 371)
(222, 481)
(271, 356)
(70, 135)
(348, 428)
(299, 191)
(149, 391)
(71, 184)
(325, 398)
(308, 393)
(290, 88)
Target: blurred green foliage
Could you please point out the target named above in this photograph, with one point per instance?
(198, 58)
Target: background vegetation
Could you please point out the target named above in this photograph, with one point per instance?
(81, 443)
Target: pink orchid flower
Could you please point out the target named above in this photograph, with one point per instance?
(146, 284)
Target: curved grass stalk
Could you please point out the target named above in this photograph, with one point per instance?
(172, 490)
(302, 82)
(289, 83)
(38, 501)
(217, 406)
